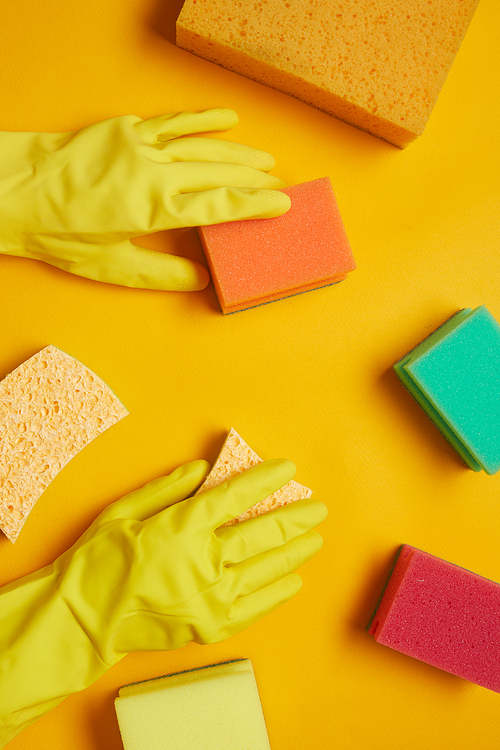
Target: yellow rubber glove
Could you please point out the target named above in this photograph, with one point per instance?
(74, 200)
(151, 573)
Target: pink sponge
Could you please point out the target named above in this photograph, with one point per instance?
(443, 615)
(262, 260)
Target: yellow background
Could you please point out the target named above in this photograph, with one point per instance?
(308, 378)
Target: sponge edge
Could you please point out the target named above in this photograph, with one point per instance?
(380, 71)
(443, 615)
(51, 407)
(454, 375)
(258, 261)
(236, 456)
(215, 708)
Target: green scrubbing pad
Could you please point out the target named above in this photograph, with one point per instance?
(454, 374)
(210, 708)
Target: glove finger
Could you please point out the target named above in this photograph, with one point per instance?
(195, 176)
(248, 609)
(227, 204)
(211, 150)
(158, 494)
(213, 508)
(257, 572)
(166, 127)
(127, 264)
(260, 534)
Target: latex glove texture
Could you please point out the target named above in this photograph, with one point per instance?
(76, 199)
(153, 572)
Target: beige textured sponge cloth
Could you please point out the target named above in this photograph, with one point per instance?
(236, 456)
(377, 64)
(51, 407)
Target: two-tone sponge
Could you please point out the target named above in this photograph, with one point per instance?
(210, 708)
(262, 260)
(443, 615)
(454, 374)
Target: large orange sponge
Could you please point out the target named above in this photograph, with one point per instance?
(377, 64)
(261, 260)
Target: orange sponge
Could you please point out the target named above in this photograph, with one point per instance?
(377, 64)
(262, 260)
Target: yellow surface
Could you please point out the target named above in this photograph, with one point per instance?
(308, 377)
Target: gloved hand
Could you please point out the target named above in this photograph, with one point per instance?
(74, 200)
(152, 572)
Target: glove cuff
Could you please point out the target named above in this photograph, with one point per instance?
(44, 653)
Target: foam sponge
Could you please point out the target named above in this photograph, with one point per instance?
(214, 708)
(443, 615)
(454, 374)
(236, 456)
(377, 64)
(261, 260)
(51, 406)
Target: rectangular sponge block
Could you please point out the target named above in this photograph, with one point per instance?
(454, 374)
(211, 708)
(377, 64)
(236, 456)
(443, 615)
(261, 260)
(51, 407)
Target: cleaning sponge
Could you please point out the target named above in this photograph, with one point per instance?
(443, 615)
(377, 64)
(211, 708)
(262, 260)
(236, 456)
(51, 407)
(454, 374)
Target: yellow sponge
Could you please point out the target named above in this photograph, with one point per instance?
(51, 406)
(210, 708)
(236, 456)
(377, 64)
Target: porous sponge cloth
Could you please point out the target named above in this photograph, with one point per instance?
(261, 260)
(211, 708)
(51, 407)
(236, 456)
(377, 64)
(454, 374)
(443, 615)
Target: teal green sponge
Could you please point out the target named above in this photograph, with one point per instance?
(454, 374)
